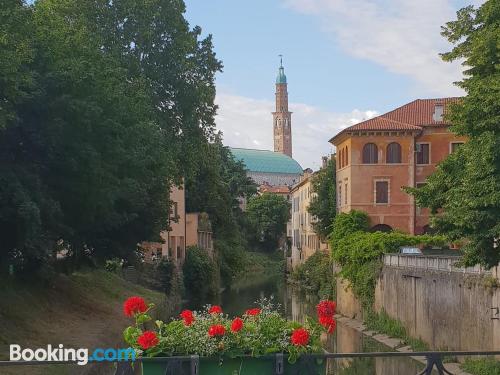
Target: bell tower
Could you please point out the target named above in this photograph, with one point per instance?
(282, 118)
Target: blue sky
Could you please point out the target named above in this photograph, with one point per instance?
(346, 60)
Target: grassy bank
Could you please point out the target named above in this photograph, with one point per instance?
(82, 310)
(483, 366)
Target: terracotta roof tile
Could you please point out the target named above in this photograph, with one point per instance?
(420, 112)
(411, 116)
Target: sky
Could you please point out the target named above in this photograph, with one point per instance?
(345, 61)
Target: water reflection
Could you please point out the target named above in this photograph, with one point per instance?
(297, 305)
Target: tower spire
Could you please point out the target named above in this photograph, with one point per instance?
(282, 118)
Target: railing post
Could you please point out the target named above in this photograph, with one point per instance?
(279, 370)
(195, 364)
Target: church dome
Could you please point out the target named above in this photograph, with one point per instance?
(265, 161)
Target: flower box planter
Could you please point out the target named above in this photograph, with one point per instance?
(277, 364)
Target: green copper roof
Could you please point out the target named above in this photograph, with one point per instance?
(281, 78)
(266, 161)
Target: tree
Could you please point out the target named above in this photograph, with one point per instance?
(119, 101)
(268, 213)
(464, 192)
(323, 204)
(217, 184)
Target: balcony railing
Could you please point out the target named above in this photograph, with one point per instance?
(189, 365)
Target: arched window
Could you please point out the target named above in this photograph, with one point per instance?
(340, 159)
(393, 153)
(370, 153)
(346, 156)
(381, 228)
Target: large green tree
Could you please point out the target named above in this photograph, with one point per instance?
(464, 192)
(268, 214)
(119, 96)
(216, 186)
(323, 205)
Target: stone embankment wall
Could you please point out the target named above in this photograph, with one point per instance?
(447, 307)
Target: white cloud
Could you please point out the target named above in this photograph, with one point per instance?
(247, 123)
(401, 35)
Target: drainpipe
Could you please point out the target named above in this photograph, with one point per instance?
(413, 175)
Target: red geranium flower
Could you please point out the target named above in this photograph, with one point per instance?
(147, 340)
(253, 312)
(328, 322)
(215, 310)
(134, 305)
(300, 337)
(326, 308)
(216, 330)
(237, 325)
(188, 317)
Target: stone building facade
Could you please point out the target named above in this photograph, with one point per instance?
(377, 157)
(173, 245)
(305, 241)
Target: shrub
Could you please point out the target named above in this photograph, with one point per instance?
(348, 223)
(316, 275)
(199, 273)
(113, 265)
(359, 255)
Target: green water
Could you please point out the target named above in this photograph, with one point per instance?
(297, 305)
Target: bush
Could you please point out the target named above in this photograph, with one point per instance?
(199, 273)
(316, 275)
(231, 259)
(359, 252)
(113, 265)
(348, 223)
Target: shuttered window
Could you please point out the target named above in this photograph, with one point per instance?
(423, 153)
(393, 153)
(381, 192)
(370, 154)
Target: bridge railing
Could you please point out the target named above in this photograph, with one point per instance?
(189, 365)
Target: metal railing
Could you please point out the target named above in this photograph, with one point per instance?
(432, 262)
(190, 365)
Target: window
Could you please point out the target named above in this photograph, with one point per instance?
(346, 155)
(438, 112)
(340, 194)
(454, 146)
(370, 154)
(423, 154)
(393, 153)
(345, 194)
(381, 191)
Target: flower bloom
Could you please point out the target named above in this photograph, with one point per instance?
(253, 312)
(300, 337)
(134, 305)
(188, 317)
(147, 340)
(215, 310)
(216, 330)
(237, 325)
(326, 308)
(328, 322)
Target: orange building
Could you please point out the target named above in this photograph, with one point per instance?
(377, 157)
(173, 245)
(199, 232)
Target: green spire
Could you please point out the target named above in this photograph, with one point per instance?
(281, 78)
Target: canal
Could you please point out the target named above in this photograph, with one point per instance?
(296, 305)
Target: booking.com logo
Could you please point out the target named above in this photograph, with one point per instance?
(80, 356)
